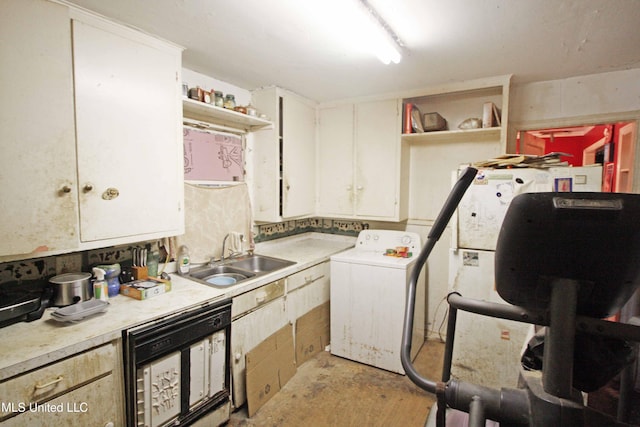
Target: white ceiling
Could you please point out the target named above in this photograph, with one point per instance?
(254, 43)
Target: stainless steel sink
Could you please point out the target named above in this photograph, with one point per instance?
(259, 263)
(235, 270)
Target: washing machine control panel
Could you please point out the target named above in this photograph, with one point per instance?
(381, 240)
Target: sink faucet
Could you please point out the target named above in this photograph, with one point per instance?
(240, 238)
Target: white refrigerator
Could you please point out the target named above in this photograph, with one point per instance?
(487, 350)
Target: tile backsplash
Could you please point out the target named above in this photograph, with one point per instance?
(43, 268)
(346, 227)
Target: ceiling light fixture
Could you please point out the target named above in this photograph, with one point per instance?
(357, 24)
(383, 41)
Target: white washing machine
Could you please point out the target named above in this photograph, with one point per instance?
(368, 297)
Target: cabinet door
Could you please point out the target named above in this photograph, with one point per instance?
(37, 178)
(377, 176)
(335, 166)
(246, 333)
(90, 405)
(299, 149)
(128, 115)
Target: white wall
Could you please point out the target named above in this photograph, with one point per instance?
(592, 95)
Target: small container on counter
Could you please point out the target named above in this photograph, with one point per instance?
(100, 288)
(230, 101)
(112, 276)
(153, 258)
(184, 262)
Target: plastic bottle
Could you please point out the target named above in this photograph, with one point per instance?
(112, 276)
(100, 289)
(153, 258)
(184, 263)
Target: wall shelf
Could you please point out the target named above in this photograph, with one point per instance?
(221, 116)
(457, 102)
(451, 136)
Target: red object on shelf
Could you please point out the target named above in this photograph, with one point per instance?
(407, 118)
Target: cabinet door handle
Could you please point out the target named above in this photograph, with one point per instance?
(110, 193)
(87, 188)
(50, 383)
(65, 189)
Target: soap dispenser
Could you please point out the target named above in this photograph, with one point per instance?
(184, 263)
(100, 289)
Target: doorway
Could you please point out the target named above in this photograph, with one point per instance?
(611, 145)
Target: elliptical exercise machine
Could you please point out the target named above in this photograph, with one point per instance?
(565, 262)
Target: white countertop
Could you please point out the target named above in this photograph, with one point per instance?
(26, 346)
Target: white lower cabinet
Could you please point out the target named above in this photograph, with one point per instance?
(307, 290)
(256, 315)
(260, 313)
(83, 390)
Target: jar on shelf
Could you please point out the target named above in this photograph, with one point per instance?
(206, 97)
(230, 101)
(218, 98)
(196, 93)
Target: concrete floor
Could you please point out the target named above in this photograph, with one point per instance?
(332, 391)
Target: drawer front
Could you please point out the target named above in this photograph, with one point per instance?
(307, 276)
(91, 405)
(306, 298)
(52, 380)
(249, 301)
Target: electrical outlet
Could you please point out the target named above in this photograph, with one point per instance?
(68, 263)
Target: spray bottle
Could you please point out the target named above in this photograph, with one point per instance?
(100, 289)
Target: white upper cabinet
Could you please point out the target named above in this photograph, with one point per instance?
(128, 110)
(336, 161)
(90, 132)
(363, 165)
(38, 185)
(283, 178)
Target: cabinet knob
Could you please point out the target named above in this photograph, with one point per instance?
(360, 187)
(65, 189)
(87, 187)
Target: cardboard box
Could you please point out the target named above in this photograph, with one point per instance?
(270, 365)
(145, 289)
(312, 333)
